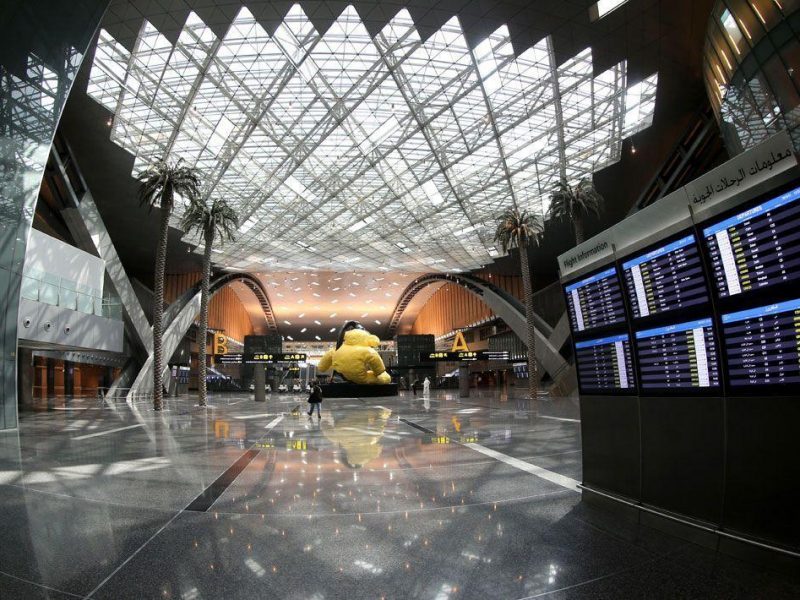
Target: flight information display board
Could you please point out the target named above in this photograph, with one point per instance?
(595, 301)
(605, 364)
(678, 356)
(758, 247)
(763, 345)
(666, 278)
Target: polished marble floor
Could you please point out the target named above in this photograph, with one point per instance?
(409, 497)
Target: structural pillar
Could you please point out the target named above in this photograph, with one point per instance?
(69, 379)
(259, 381)
(276, 379)
(463, 381)
(25, 377)
(51, 378)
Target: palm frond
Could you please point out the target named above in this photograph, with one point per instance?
(574, 202)
(218, 220)
(517, 228)
(163, 180)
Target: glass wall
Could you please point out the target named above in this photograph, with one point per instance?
(42, 45)
(752, 70)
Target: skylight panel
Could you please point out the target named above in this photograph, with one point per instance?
(108, 71)
(443, 141)
(432, 192)
(640, 105)
(603, 7)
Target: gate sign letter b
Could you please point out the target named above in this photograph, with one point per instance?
(220, 344)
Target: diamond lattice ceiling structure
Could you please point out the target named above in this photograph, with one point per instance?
(346, 152)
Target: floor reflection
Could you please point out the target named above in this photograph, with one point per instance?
(382, 497)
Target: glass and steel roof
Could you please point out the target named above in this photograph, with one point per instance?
(343, 151)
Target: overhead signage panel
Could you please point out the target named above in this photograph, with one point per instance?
(260, 358)
(465, 356)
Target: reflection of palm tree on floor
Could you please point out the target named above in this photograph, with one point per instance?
(358, 434)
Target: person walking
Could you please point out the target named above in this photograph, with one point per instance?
(426, 387)
(415, 386)
(315, 399)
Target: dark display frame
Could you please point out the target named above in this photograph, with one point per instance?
(721, 458)
(670, 315)
(713, 391)
(631, 391)
(751, 299)
(601, 330)
(617, 328)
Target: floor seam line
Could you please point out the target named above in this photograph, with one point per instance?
(530, 468)
(133, 555)
(40, 585)
(160, 530)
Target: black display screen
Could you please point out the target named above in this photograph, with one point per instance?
(605, 364)
(666, 278)
(678, 356)
(758, 247)
(595, 301)
(763, 345)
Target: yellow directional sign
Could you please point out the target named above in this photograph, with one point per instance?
(220, 344)
(459, 343)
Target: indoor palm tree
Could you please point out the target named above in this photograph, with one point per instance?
(218, 221)
(573, 203)
(521, 230)
(159, 185)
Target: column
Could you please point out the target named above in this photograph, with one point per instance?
(51, 378)
(69, 379)
(463, 381)
(25, 377)
(259, 381)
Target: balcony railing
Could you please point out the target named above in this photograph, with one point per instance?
(49, 288)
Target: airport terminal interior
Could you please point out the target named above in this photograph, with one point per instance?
(441, 299)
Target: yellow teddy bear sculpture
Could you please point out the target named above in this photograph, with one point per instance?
(356, 359)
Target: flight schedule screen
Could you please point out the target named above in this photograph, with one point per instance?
(758, 247)
(595, 301)
(763, 344)
(667, 278)
(678, 356)
(605, 364)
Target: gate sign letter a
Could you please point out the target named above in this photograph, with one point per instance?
(459, 343)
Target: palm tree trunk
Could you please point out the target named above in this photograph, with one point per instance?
(527, 285)
(158, 308)
(577, 225)
(202, 336)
